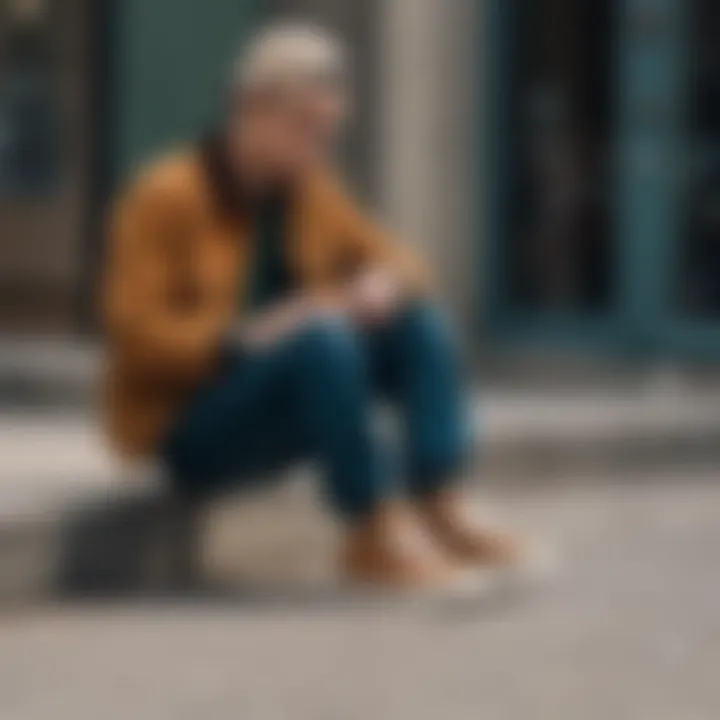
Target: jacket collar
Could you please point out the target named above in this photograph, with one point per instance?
(224, 183)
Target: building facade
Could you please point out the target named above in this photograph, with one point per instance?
(558, 160)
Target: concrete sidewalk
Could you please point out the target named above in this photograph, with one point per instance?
(628, 631)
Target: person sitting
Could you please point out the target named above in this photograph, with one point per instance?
(256, 317)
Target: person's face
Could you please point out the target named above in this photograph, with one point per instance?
(298, 129)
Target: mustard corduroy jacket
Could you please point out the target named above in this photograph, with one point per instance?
(176, 265)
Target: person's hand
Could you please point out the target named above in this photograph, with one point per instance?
(373, 297)
(281, 320)
(267, 328)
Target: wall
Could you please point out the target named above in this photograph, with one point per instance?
(172, 62)
(430, 90)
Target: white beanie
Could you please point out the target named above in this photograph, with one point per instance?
(290, 54)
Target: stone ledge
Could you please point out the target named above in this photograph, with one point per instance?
(70, 526)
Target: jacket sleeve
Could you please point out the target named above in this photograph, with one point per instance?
(368, 243)
(156, 315)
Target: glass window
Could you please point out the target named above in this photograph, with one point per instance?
(28, 105)
(559, 247)
(698, 284)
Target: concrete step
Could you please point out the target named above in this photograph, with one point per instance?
(48, 372)
(73, 522)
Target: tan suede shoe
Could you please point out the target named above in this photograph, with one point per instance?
(450, 520)
(391, 551)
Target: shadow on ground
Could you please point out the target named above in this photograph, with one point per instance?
(149, 550)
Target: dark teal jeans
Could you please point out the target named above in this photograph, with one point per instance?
(313, 396)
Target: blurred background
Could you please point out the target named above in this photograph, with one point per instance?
(560, 162)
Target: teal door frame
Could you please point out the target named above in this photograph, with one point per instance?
(648, 171)
(649, 161)
(170, 71)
